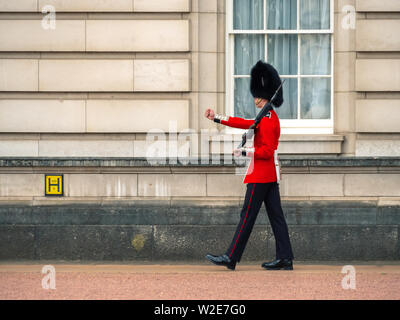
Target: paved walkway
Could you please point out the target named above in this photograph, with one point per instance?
(154, 282)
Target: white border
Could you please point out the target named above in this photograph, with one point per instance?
(289, 126)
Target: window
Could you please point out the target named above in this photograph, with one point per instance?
(295, 36)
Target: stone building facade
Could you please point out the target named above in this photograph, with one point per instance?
(95, 92)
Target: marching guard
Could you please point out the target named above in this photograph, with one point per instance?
(262, 177)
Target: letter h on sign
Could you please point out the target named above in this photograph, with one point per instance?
(54, 185)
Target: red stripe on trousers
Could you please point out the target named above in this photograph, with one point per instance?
(244, 221)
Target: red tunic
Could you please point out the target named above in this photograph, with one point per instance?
(262, 167)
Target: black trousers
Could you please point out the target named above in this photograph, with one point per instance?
(256, 194)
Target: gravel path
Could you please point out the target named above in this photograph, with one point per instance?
(171, 282)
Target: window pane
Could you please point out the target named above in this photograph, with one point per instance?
(249, 48)
(315, 98)
(248, 14)
(281, 14)
(315, 54)
(288, 110)
(244, 103)
(314, 14)
(282, 53)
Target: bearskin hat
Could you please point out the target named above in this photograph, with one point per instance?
(264, 82)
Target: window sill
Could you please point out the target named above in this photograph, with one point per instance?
(310, 144)
(289, 144)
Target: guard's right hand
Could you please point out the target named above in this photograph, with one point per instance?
(209, 114)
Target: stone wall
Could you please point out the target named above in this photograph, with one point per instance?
(108, 67)
(377, 61)
(107, 179)
(81, 100)
(141, 58)
(127, 209)
(319, 231)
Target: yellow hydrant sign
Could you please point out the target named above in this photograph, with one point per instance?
(54, 185)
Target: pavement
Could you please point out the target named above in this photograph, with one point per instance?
(144, 281)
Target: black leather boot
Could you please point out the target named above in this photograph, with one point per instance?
(279, 264)
(223, 260)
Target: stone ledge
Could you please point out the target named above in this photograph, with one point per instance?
(286, 161)
(89, 6)
(174, 201)
(289, 144)
(322, 212)
(377, 5)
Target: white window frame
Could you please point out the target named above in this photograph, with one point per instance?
(288, 126)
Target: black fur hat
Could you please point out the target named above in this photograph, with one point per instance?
(265, 81)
